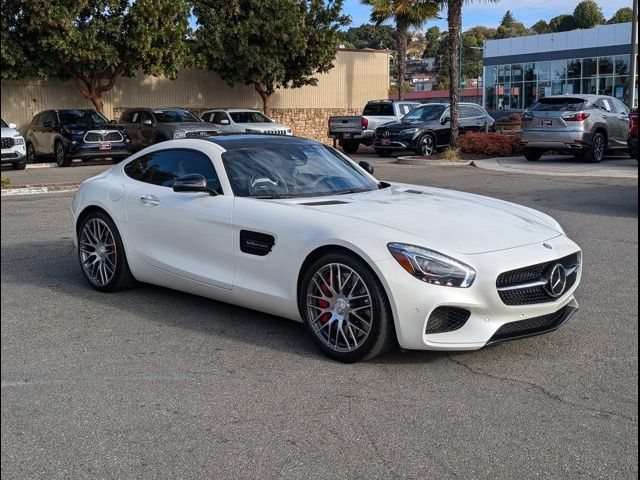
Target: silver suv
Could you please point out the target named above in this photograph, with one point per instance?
(582, 125)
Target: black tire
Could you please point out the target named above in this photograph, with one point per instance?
(31, 153)
(19, 165)
(381, 336)
(350, 147)
(426, 145)
(60, 154)
(384, 152)
(122, 277)
(595, 152)
(532, 154)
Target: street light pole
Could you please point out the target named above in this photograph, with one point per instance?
(634, 56)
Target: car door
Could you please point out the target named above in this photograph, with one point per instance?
(621, 117)
(611, 119)
(47, 133)
(443, 129)
(188, 235)
(147, 132)
(467, 121)
(34, 130)
(132, 128)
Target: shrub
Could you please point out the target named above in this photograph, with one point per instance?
(6, 181)
(490, 144)
(512, 118)
(451, 154)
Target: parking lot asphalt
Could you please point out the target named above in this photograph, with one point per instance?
(151, 383)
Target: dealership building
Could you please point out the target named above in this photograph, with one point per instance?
(519, 71)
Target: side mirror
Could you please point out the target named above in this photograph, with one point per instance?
(194, 182)
(12, 125)
(147, 122)
(367, 166)
(225, 121)
(445, 120)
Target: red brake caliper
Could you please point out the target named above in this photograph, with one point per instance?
(323, 303)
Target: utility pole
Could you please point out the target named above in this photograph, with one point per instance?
(634, 56)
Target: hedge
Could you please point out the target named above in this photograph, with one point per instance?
(490, 144)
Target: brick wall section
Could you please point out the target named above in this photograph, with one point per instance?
(310, 122)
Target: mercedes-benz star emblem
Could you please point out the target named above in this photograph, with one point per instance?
(386, 134)
(557, 281)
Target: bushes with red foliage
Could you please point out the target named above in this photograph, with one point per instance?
(490, 144)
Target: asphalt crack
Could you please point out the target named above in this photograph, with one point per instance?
(543, 390)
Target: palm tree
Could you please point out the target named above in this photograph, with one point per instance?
(405, 14)
(454, 19)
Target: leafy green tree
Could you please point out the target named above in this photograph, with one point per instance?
(623, 15)
(405, 14)
(269, 44)
(540, 27)
(562, 23)
(379, 37)
(454, 21)
(432, 38)
(510, 27)
(588, 14)
(93, 42)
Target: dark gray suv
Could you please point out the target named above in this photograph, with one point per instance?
(147, 126)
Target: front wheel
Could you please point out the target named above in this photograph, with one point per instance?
(532, 154)
(345, 309)
(31, 153)
(350, 147)
(62, 159)
(426, 145)
(101, 254)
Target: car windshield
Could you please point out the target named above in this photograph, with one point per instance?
(250, 117)
(82, 117)
(424, 114)
(293, 170)
(4, 124)
(174, 116)
(558, 105)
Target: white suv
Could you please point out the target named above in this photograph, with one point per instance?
(244, 121)
(13, 147)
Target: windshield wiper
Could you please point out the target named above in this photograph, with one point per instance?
(271, 196)
(351, 190)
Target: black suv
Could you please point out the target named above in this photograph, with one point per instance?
(69, 134)
(426, 129)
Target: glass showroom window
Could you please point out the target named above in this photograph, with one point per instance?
(589, 68)
(530, 72)
(530, 94)
(605, 66)
(605, 86)
(574, 68)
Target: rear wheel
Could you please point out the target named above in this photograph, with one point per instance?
(532, 154)
(595, 153)
(62, 159)
(345, 309)
(350, 147)
(383, 152)
(101, 254)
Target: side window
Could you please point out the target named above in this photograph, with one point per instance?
(620, 107)
(127, 116)
(478, 112)
(144, 116)
(48, 118)
(604, 104)
(467, 111)
(163, 167)
(217, 117)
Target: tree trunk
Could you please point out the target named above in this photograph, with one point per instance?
(454, 17)
(401, 48)
(91, 87)
(265, 99)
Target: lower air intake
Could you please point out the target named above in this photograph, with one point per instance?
(447, 319)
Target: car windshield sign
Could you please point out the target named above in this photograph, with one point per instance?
(286, 170)
(250, 117)
(424, 114)
(82, 117)
(174, 116)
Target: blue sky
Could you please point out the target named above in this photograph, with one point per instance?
(490, 14)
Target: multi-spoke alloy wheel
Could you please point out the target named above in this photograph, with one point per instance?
(426, 146)
(339, 307)
(345, 308)
(98, 252)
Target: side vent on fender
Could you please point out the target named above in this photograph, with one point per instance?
(256, 243)
(324, 202)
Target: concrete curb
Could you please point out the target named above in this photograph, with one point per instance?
(571, 170)
(38, 189)
(432, 163)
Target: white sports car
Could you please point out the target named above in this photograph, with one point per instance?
(293, 228)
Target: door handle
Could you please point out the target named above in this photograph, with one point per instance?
(605, 116)
(149, 200)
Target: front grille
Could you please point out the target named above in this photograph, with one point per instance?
(533, 326)
(202, 133)
(9, 155)
(95, 136)
(7, 142)
(388, 134)
(530, 294)
(447, 319)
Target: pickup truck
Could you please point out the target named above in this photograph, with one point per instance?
(351, 131)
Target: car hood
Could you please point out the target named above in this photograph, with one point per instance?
(447, 220)
(400, 125)
(10, 132)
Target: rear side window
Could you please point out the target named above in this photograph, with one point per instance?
(620, 107)
(163, 167)
(378, 109)
(127, 117)
(561, 104)
(467, 111)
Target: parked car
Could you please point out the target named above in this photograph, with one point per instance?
(632, 140)
(13, 146)
(69, 134)
(427, 129)
(241, 120)
(585, 126)
(148, 126)
(351, 131)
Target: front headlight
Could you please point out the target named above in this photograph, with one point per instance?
(432, 267)
(18, 141)
(409, 131)
(179, 134)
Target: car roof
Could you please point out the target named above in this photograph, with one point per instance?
(236, 141)
(231, 110)
(583, 96)
(392, 101)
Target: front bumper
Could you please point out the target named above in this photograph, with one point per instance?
(87, 151)
(413, 301)
(15, 154)
(553, 140)
(403, 141)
